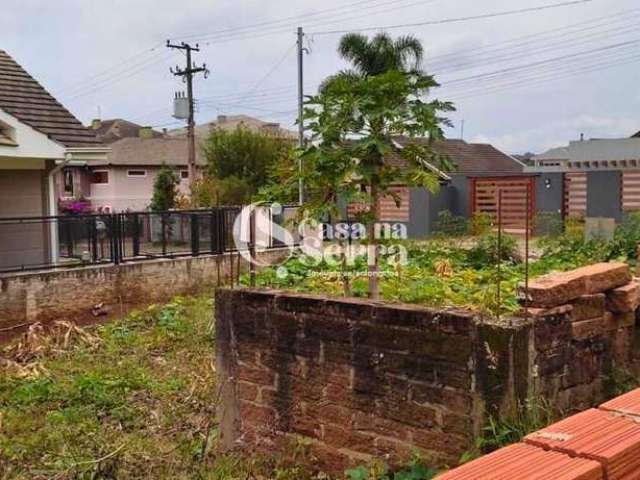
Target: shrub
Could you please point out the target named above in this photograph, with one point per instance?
(627, 235)
(486, 250)
(164, 189)
(549, 224)
(481, 224)
(450, 225)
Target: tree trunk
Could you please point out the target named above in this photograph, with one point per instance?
(372, 260)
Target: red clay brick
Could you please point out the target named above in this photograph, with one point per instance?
(606, 437)
(526, 462)
(629, 403)
(624, 299)
(560, 288)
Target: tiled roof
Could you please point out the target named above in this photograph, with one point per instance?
(109, 131)
(150, 152)
(472, 158)
(24, 98)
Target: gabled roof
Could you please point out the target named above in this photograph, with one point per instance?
(25, 99)
(150, 152)
(472, 158)
(109, 131)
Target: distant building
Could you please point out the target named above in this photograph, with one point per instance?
(109, 131)
(231, 122)
(597, 177)
(124, 179)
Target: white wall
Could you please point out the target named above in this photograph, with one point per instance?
(124, 192)
(31, 143)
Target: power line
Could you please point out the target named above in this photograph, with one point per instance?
(455, 20)
(328, 15)
(481, 76)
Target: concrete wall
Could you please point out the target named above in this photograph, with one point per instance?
(426, 206)
(604, 190)
(549, 192)
(71, 294)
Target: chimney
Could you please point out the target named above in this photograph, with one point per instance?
(222, 118)
(96, 123)
(145, 132)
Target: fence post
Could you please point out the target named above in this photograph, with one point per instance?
(136, 235)
(195, 235)
(94, 239)
(213, 231)
(252, 247)
(163, 218)
(115, 238)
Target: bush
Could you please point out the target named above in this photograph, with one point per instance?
(549, 224)
(481, 224)
(449, 225)
(486, 250)
(164, 189)
(627, 235)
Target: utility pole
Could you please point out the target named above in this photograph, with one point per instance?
(301, 51)
(187, 75)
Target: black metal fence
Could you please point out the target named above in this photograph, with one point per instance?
(34, 243)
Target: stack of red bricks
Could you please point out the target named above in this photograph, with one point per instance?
(602, 443)
(599, 298)
(583, 329)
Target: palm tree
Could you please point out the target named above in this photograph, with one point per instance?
(378, 55)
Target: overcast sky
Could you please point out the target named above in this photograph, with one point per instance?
(524, 82)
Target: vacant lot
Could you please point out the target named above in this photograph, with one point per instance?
(132, 399)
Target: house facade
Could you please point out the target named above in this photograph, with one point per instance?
(38, 137)
(124, 179)
(596, 177)
(472, 186)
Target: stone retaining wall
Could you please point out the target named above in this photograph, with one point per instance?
(73, 293)
(360, 379)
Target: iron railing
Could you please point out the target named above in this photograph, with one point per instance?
(36, 243)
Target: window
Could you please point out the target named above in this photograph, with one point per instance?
(136, 173)
(67, 175)
(100, 176)
(184, 174)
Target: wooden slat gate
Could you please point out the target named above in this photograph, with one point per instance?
(484, 199)
(630, 190)
(575, 194)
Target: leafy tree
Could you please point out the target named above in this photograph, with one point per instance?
(353, 122)
(378, 55)
(164, 190)
(241, 161)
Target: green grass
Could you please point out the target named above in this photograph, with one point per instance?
(140, 404)
(135, 401)
(446, 272)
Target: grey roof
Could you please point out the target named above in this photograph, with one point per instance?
(150, 152)
(598, 149)
(24, 98)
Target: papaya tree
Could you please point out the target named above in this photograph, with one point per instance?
(352, 122)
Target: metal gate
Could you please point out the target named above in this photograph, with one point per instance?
(486, 195)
